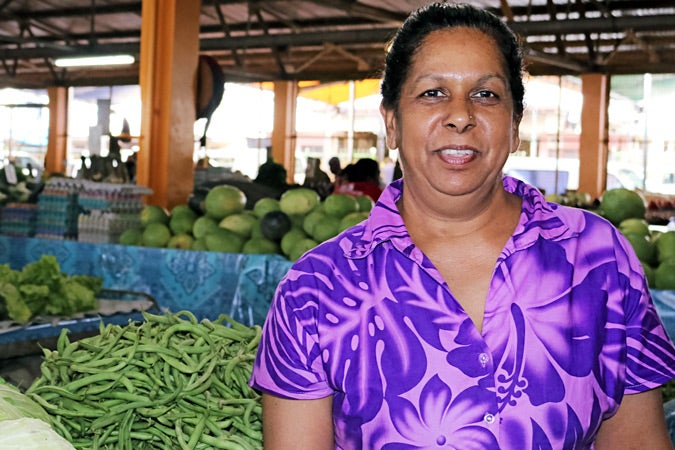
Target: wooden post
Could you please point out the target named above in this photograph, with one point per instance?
(168, 75)
(283, 134)
(58, 130)
(593, 142)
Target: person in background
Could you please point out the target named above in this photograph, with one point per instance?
(272, 174)
(334, 166)
(466, 311)
(317, 179)
(360, 178)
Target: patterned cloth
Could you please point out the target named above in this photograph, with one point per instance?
(569, 328)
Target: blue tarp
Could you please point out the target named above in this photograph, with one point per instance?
(206, 283)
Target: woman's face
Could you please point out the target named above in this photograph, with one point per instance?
(455, 125)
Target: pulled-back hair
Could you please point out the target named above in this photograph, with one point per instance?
(441, 16)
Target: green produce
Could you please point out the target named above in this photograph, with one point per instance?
(260, 246)
(665, 246)
(265, 205)
(644, 249)
(325, 228)
(199, 245)
(664, 275)
(41, 289)
(300, 247)
(311, 221)
(619, 204)
(634, 225)
(352, 219)
(30, 434)
(203, 225)
(180, 210)
(181, 241)
(297, 219)
(132, 236)
(240, 223)
(649, 274)
(156, 235)
(299, 201)
(223, 240)
(256, 231)
(291, 238)
(16, 405)
(154, 214)
(169, 382)
(365, 203)
(339, 205)
(182, 222)
(275, 224)
(223, 200)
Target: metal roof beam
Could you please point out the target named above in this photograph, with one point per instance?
(354, 8)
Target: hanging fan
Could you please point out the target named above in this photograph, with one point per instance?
(210, 89)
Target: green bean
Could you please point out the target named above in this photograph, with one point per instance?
(130, 386)
(253, 343)
(61, 428)
(123, 440)
(180, 437)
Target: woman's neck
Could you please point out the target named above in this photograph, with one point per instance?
(457, 216)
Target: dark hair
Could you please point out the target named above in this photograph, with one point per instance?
(439, 16)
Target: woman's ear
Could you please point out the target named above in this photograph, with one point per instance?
(389, 118)
(515, 143)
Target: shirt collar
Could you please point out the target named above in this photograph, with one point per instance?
(539, 218)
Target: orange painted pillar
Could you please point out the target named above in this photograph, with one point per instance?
(168, 76)
(58, 130)
(593, 142)
(283, 134)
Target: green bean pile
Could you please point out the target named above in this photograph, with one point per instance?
(169, 382)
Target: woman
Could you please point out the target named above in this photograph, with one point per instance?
(466, 312)
(360, 178)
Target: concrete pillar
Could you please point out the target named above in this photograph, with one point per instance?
(57, 143)
(168, 76)
(283, 134)
(593, 142)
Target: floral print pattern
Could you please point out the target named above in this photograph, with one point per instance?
(569, 328)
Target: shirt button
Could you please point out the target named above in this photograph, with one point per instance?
(489, 418)
(483, 358)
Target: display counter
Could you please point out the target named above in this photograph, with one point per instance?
(206, 283)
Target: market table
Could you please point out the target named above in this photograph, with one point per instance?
(206, 283)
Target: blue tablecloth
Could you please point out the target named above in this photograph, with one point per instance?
(206, 283)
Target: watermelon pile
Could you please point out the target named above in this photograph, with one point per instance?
(288, 226)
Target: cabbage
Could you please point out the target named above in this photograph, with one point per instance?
(30, 434)
(16, 405)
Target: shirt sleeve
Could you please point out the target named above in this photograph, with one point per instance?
(288, 363)
(650, 358)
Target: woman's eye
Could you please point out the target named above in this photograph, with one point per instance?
(432, 93)
(486, 94)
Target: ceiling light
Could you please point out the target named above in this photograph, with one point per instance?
(107, 60)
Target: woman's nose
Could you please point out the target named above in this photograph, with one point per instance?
(460, 117)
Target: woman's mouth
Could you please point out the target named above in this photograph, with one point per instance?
(458, 156)
(457, 152)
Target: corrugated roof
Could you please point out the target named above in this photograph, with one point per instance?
(264, 40)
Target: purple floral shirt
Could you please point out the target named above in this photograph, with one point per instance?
(569, 328)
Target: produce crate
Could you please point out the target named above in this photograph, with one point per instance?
(18, 219)
(115, 307)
